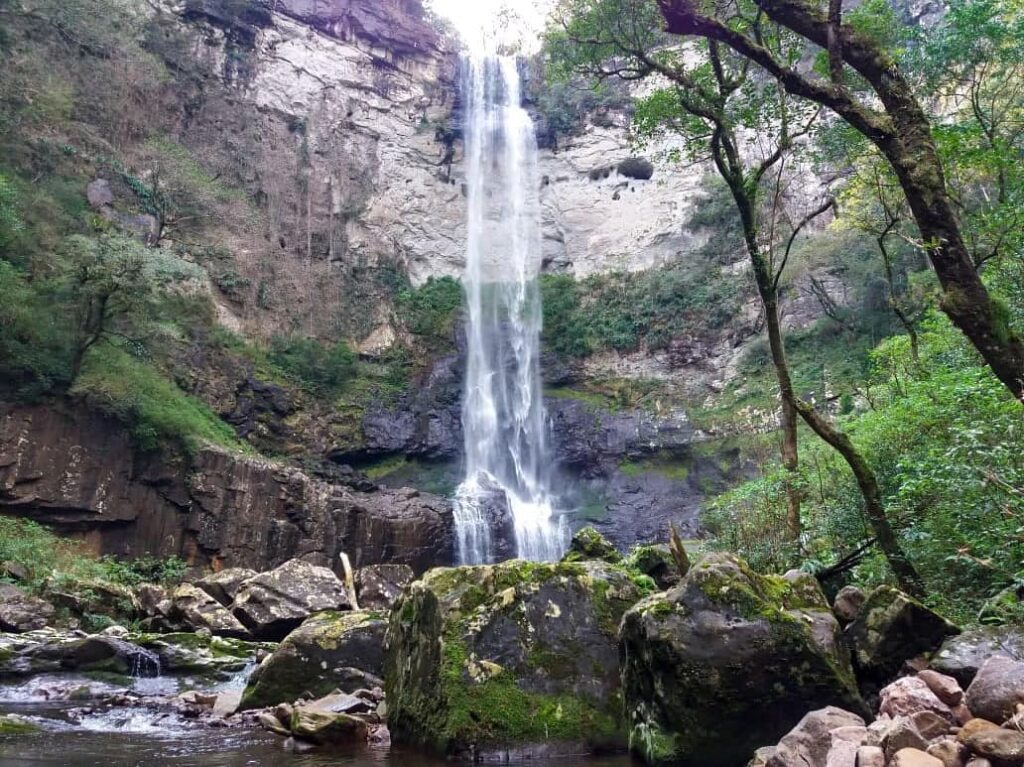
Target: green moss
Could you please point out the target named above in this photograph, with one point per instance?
(385, 466)
(588, 544)
(664, 465)
(15, 725)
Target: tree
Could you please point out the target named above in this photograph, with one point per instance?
(713, 98)
(867, 88)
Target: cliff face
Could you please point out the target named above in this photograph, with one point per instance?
(78, 471)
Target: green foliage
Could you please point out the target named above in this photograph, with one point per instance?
(157, 412)
(47, 557)
(35, 341)
(429, 311)
(321, 368)
(944, 438)
(10, 221)
(147, 569)
(629, 310)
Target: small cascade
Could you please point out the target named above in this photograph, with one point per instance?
(503, 410)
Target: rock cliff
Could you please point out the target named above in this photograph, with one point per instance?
(79, 472)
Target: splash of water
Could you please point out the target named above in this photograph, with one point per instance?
(503, 411)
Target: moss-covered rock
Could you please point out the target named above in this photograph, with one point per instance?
(509, 658)
(331, 650)
(728, 661)
(203, 654)
(890, 629)
(657, 562)
(590, 544)
(12, 724)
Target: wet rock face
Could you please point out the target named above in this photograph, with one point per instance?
(515, 659)
(331, 650)
(728, 661)
(215, 508)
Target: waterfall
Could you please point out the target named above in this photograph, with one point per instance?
(503, 410)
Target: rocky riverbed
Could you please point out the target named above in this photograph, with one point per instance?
(599, 654)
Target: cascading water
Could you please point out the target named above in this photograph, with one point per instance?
(503, 411)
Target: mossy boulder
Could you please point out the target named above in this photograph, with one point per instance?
(590, 544)
(202, 654)
(890, 629)
(728, 661)
(331, 650)
(12, 724)
(657, 562)
(513, 659)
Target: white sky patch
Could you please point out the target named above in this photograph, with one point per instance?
(510, 25)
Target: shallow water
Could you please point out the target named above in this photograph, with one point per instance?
(141, 737)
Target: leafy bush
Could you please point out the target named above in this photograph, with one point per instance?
(429, 311)
(627, 311)
(322, 369)
(35, 340)
(157, 412)
(46, 556)
(944, 437)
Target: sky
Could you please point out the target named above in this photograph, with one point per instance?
(507, 21)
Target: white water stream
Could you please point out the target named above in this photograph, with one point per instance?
(503, 410)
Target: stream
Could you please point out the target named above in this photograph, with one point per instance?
(88, 734)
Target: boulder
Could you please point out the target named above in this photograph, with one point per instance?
(910, 695)
(810, 743)
(200, 654)
(656, 561)
(945, 687)
(997, 689)
(326, 727)
(328, 651)
(196, 609)
(378, 586)
(709, 666)
(890, 629)
(961, 656)
(512, 659)
(53, 653)
(848, 602)
(870, 756)
(902, 733)
(274, 603)
(22, 612)
(997, 744)
(153, 600)
(949, 752)
(914, 757)
(225, 584)
(973, 726)
(587, 543)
